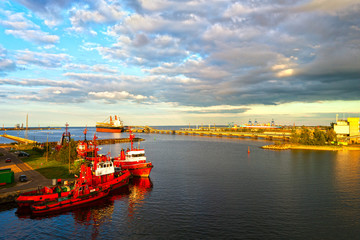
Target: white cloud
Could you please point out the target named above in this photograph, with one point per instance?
(34, 36)
(81, 16)
(329, 6)
(122, 95)
(42, 59)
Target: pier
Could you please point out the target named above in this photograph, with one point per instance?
(18, 139)
(28, 129)
(216, 133)
(99, 141)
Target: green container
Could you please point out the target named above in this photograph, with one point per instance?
(6, 176)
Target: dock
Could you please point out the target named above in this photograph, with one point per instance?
(18, 139)
(99, 141)
(28, 129)
(216, 133)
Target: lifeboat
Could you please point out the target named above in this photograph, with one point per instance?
(134, 160)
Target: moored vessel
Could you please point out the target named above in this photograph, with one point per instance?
(103, 169)
(113, 125)
(84, 192)
(134, 160)
(43, 194)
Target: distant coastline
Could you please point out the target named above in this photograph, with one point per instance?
(311, 147)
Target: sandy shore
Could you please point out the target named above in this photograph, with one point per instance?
(311, 147)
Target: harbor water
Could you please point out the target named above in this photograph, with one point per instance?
(211, 188)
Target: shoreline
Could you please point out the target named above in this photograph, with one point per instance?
(311, 147)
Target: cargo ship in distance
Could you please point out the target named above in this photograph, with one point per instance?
(113, 125)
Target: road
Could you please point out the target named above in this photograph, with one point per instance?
(35, 179)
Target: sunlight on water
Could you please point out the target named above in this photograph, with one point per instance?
(210, 187)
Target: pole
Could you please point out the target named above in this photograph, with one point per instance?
(69, 156)
(47, 146)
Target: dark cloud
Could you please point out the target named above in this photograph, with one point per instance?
(47, 9)
(200, 53)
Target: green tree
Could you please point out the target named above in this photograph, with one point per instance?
(330, 135)
(305, 136)
(295, 137)
(319, 137)
(63, 154)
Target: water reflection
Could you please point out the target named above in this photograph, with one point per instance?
(346, 183)
(139, 190)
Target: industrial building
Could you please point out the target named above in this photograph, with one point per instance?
(347, 129)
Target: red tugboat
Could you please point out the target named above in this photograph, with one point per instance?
(85, 191)
(43, 194)
(134, 160)
(104, 171)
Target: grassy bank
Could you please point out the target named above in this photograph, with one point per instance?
(311, 147)
(49, 169)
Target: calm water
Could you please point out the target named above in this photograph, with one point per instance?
(210, 188)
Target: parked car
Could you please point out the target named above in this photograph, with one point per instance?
(23, 154)
(8, 160)
(23, 178)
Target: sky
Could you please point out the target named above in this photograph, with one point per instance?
(168, 62)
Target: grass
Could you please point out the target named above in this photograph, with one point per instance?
(49, 169)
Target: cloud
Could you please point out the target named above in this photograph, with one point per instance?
(6, 64)
(50, 11)
(329, 6)
(215, 109)
(17, 21)
(94, 68)
(21, 27)
(34, 36)
(196, 54)
(82, 16)
(49, 60)
(116, 96)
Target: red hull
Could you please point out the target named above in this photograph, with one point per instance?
(138, 169)
(120, 181)
(29, 198)
(68, 204)
(111, 130)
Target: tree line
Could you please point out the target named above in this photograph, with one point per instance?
(316, 137)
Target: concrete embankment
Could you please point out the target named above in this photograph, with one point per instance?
(310, 147)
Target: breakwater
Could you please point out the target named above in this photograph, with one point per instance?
(29, 128)
(218, 133)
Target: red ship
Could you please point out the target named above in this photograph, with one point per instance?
(85, 191)
(102, 172)
(134, 160)
(103, 169)
(43, 194)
